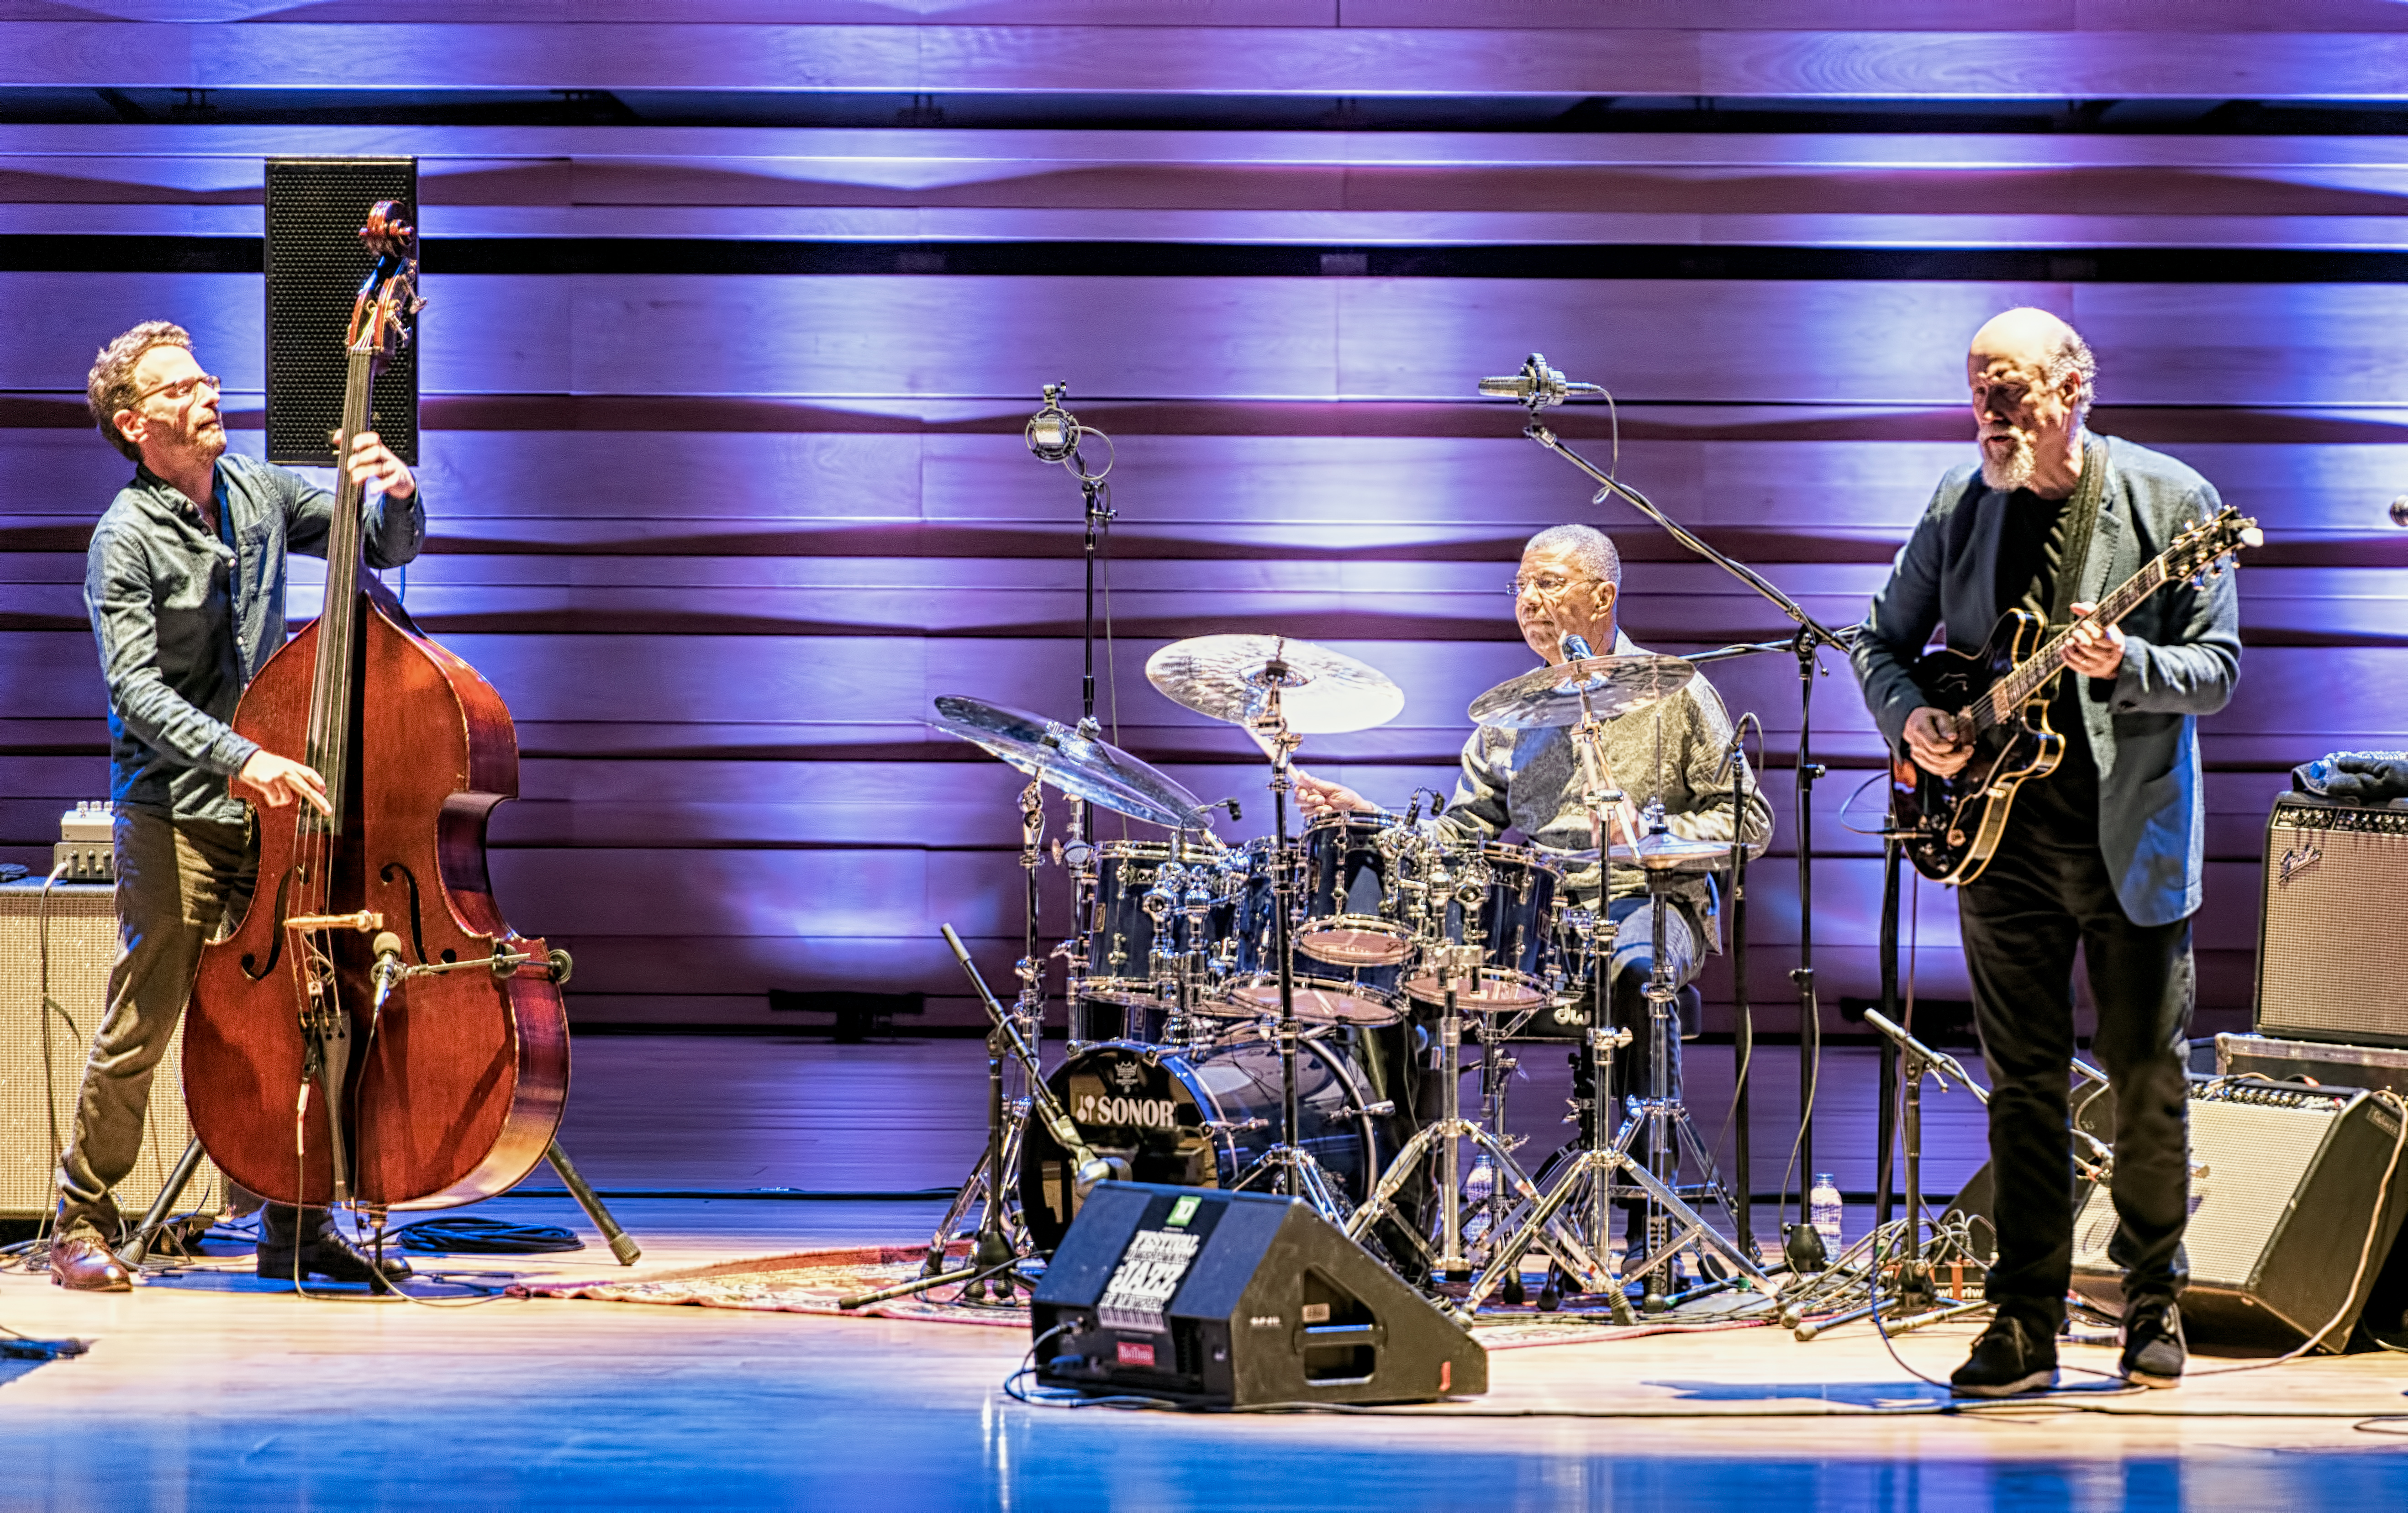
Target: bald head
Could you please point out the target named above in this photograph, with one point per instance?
(2033, 340)
(2031, 377)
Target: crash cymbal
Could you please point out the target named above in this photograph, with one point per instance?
(1081, 766)
(1231, 677)
(1552, 694)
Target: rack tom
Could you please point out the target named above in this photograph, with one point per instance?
(1138, 925)
(1326, 992)
(1502, 899)
(1353, 884)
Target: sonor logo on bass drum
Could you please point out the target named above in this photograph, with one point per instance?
(1140, 1113)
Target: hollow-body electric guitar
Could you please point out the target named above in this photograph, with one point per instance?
(1950, 825)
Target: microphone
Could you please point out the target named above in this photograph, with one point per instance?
(1576, 646)
(1413, 810)
(390, 968)
(1536, 385)
(1053, 432)
(2399, 511)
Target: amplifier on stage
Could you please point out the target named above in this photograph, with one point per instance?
(2290, 1185)
(2330, 937)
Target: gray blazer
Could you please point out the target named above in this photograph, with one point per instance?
(2182, 657)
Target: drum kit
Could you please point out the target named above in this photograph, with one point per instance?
(1264, 1015)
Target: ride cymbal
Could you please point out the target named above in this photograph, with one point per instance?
(1231, 678)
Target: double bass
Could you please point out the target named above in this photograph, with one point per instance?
(374, 1032)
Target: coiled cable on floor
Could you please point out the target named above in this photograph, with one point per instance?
(468, 1235)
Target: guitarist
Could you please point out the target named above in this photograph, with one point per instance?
(2104, 853)
(184, 584)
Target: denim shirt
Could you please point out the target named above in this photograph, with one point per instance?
(185, 621)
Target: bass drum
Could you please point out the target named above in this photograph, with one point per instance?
(1199, 1121)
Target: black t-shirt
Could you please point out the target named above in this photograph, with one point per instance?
(2031, 553)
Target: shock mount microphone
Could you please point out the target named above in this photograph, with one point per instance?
(1536, 385)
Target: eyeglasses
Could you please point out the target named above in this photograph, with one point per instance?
(177, 389)
(1547, 584)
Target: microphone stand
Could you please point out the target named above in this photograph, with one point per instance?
(1541, 390)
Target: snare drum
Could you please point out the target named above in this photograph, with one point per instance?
(1123, 940)
(1352, 884)
(1325, 992)
(1199, 1120)
(1502, 899)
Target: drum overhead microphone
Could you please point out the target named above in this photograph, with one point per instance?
(1536, 385)
(1053, 436)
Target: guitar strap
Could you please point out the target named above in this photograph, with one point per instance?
(2081, 526)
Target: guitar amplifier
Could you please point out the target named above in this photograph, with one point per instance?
(2330, 939)
(2285, 1180)
(79, 923)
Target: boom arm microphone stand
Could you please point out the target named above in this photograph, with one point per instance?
(1538, 388)
(994, 1254)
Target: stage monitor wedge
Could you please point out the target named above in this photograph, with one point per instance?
(315, 262)
(1237, 1300)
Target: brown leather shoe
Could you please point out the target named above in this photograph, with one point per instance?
(81, 1263)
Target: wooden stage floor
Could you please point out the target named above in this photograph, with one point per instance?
(212, 1390)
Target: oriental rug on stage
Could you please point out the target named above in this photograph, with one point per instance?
(814, 1281)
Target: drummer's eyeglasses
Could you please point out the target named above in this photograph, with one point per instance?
(177, 389)
(1548, 584)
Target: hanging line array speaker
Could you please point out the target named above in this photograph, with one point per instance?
(315, 262)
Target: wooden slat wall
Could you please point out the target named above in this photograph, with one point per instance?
(719, 538)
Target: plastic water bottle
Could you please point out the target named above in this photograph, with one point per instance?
(1824, 1207)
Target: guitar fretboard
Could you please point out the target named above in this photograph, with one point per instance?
(2031, 675)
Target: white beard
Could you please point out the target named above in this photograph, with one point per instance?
(2015, 471)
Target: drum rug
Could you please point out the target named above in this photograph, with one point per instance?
(814, 1281)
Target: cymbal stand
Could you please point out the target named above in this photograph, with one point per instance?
(1290, 1167)
(993, 1184)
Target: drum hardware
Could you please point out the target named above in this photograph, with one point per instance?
(1438, 1141)
(1537, 388)
(1090, 771)
(1278, 690)
(994, 1257)
(1670, 1130)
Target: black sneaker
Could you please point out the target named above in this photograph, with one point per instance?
(2011, 1357)
(2154, 1350)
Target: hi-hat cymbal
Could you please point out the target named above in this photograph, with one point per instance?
(1657, 853)
(1230, 677)
(1551, 696)
(1079, 766)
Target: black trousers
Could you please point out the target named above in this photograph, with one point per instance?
(2046, 892)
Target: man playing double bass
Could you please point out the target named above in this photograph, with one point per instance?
(184, 585)
(2103, 853)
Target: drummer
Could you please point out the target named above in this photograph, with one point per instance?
(1570, 578)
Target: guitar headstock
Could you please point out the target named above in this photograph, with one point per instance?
(2205, 550)
(387, 307)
